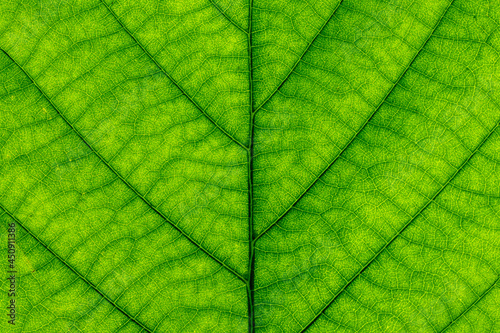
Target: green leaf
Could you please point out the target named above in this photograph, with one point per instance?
(251, 166)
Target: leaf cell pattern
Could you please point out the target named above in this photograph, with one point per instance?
(252, 165)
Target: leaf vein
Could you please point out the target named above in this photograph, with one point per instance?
(453, 321)
(136, 192)
(184, 92)
(404, 227)
(228, 17)
(299, 59)
(250, 157)
(102, 294)
(360, 129)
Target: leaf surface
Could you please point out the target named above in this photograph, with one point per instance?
(252, 166)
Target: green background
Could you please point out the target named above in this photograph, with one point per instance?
(265, 166)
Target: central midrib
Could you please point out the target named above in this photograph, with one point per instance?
(251, 241)
(253, 110)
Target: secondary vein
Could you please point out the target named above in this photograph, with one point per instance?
(102, 294)
(360, 129)
(228, 17)
(191, 99)
(470, 306)
(460, 168)
(144, 199)
(300, 58)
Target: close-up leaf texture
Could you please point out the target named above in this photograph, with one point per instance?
(251, 165)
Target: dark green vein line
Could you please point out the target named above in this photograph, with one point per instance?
(403, 228)
(470, 306)
(228, 17)
(172, 79)
(361, 128)
(75, 271)
(146, 201)
(251, 243)
(300, 58)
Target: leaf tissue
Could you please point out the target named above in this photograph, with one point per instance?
(250, 166)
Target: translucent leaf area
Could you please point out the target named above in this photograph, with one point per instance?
(260, 166)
